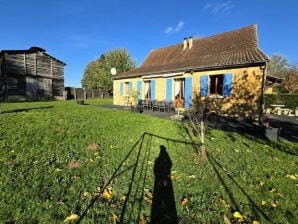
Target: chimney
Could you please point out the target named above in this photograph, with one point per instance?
(184, 43)
(190, 42)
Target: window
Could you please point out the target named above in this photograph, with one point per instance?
(126, 88)
(147, 90)
(216, 85)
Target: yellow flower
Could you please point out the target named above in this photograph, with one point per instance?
(237, 215)
(86, 194)
(115, 219)
(107, 195)
(71, 218)
(264, 202)
(255, 222)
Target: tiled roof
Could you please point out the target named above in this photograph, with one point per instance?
(234, 48)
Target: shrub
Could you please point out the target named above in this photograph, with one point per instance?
(289, 100)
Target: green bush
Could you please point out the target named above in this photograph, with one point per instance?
(289, 100)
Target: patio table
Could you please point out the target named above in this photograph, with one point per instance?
(277, 108)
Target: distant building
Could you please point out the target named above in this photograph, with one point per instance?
(228, 69)
(30, 75)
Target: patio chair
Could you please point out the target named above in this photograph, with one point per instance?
(155, 105)
(140, 105)
(146, 104)
(162, 106)
(170, 106)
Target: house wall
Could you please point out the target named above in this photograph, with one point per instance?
(246, 91)
(244, 99)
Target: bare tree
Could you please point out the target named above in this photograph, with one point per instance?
(198, 122)
(291, 81)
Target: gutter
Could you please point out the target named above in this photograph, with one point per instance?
(262, 100)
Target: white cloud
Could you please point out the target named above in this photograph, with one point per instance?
(176, 29)
(219, 7)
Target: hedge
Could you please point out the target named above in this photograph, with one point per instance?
(289, 100)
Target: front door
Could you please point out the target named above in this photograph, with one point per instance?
(179, 93)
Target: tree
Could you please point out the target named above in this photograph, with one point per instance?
(278, 66)
(291, 81)
(97, 73)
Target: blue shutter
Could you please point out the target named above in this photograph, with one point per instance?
(130, 88)
(152, 87)
(204, 85)
(121, 88)
(139, 89)
(227, 84)
(188, 92)
(169, 89)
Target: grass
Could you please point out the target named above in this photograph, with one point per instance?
(56, 157)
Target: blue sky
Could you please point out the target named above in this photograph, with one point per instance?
(78, 31)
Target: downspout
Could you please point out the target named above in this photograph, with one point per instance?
(262, 101)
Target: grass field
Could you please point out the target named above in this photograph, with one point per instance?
(59, 158)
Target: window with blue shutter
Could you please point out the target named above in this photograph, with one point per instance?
(227, 84)
(188, 92)
(139, 89)
(130, 88)
(152, 88)
(204, 85)
(121, 88)
(169, 89)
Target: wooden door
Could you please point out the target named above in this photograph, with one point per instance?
(31, 88)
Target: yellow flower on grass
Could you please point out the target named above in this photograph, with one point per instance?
(115, 219)
(255, 222)
(238, 215)
(264, 202)
(107, 195)
(72, 217)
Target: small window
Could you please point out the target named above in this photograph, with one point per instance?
(216, 85)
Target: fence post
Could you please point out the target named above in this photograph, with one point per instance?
(75, 94)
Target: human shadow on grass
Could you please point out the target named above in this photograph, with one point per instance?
(132, 207)
(163, 208)
(25, 109)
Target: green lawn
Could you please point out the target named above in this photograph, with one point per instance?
(56, 157)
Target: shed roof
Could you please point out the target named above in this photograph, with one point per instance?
(32, 49)
(229, 49)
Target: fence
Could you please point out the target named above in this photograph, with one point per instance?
(81, 93)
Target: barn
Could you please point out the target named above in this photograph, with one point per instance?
(30, 75)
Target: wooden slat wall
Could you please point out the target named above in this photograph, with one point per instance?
(16, 85)
(30, 63)
(15, 64)
(43, 65)
(58, 69)
(58, 88)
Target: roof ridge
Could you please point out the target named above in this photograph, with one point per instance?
(214, 35)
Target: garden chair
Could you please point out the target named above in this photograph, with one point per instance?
(162, 106)
(147, 104)
(155, 105)
(170, 106)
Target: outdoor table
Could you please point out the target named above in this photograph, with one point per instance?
(277, 108)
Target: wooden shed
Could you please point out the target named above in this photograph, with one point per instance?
(30, 75)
